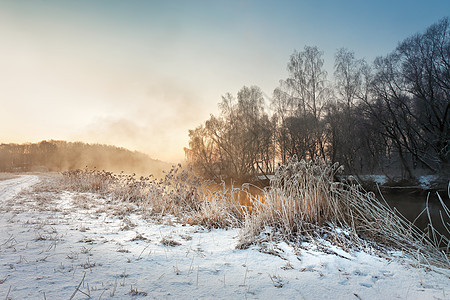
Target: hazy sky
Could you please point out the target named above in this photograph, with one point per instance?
(140, 74)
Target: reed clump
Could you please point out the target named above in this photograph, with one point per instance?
(304, 201)
(180, 193)
(86, 180)
(220, 208)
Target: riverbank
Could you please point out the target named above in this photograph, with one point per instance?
(421, 184)
(59, 244)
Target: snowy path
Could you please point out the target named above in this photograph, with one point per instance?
(11, 187)
(51, 243)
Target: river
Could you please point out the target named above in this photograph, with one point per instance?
(411, 204)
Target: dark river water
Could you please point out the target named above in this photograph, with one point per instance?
(410, 205)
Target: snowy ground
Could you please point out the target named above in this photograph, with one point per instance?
(66, 245)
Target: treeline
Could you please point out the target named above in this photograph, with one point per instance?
(389, 117)
(62, 156)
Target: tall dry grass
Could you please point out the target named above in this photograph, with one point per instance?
(305, 202)
(180, 193)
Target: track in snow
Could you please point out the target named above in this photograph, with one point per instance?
(11, 187)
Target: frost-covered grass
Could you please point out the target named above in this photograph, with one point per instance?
(304, 202)
(180, 193)
(59, 244)
(95, 234)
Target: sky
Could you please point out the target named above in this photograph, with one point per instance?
(140, 74)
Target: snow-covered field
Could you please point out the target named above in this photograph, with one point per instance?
(65, 245)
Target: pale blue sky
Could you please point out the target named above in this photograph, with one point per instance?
(139, 74)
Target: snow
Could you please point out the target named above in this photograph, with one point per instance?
(379, 179)
(51, 243)
(264, 177)
(427, 180)
(11, 187)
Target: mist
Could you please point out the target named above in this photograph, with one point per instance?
(151, 115)
(155, 123)
(60, 156)
(140, 75)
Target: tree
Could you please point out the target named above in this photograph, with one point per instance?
(424, 60)
(391, 115)
(237, 144)
(347, 141)
(299, 101)
(308, 81)
(411, 90)
(348, 73)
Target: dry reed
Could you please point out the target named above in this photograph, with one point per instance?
(305, 202)
(180, 193)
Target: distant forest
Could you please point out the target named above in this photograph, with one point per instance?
(62, 156)
(387, 117)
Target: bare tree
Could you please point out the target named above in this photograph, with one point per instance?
(346, 138)
(348, 73)
(238, 144)
(425, 66)
(299, 101)
(411, 90)
(375, 116)
(307, 80)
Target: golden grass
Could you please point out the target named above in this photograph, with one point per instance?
(180, 193)
(303, 202)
